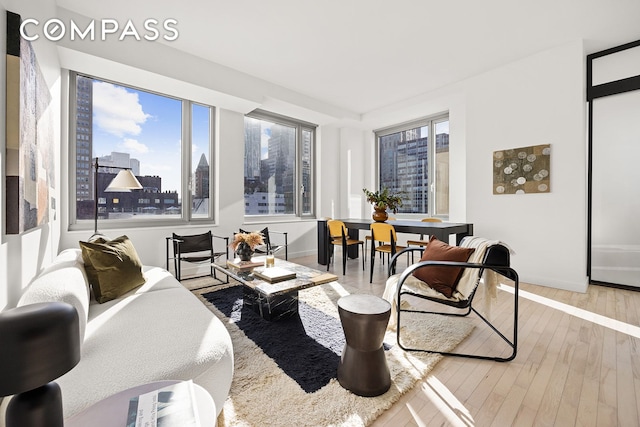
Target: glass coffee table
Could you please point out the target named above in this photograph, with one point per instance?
(273, 301)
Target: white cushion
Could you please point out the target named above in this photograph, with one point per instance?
(149, 336)
(65, 281)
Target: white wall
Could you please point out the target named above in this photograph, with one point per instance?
(23, 256)
(537, 100)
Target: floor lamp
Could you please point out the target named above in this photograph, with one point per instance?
(124, 182)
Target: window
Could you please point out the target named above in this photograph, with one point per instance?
(165, 141)
(409, 162)
(278, 165)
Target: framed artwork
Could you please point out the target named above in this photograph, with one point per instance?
(30, 173)
(522, 170)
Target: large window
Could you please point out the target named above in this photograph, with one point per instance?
(411, 163)
(165, 141)
(278, 165)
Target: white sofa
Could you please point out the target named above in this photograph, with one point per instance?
(158, 331)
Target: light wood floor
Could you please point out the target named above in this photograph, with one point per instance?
(577, 362)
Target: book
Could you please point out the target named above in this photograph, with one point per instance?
(274, 274)
(323, 278)
(244, 265)
(171, 406)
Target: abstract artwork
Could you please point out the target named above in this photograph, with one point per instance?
(522, 170)
(30, 173)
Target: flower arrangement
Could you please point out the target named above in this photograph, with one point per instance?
(383, 200)
(252, 239)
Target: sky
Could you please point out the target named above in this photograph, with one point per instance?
(148, 127)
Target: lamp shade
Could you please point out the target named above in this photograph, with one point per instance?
(38, 343)
(125, 181)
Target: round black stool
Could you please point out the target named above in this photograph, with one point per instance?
(363, 366)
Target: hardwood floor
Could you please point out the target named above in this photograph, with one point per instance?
(577, 364)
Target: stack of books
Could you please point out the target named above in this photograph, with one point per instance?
(274, 274)
(244, 265)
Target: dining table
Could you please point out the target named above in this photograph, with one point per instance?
(441, 230)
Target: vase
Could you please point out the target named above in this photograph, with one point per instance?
(244, 251)
(380, 214)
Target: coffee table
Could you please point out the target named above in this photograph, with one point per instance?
(274, 301)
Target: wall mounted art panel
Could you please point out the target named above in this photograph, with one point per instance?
(30, 173)
(522, 170)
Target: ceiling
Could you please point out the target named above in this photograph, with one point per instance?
(361, 55)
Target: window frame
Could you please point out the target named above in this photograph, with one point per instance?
(300, 126)
(186, 215)
(431, 122)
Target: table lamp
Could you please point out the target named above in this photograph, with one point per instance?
(38, 343)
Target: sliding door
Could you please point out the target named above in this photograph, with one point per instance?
(615, 220)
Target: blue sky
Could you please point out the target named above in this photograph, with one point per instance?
(148, 127)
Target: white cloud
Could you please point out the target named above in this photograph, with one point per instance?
(133, 146)
(117, 111)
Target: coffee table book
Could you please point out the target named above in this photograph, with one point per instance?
(274, 274)
(170, 406)
(244, 265)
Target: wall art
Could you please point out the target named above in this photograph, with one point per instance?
(30, 173)
(522, 170)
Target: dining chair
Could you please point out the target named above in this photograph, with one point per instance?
(385, 236)
(422, 241)
(338, 237)
(367, 238)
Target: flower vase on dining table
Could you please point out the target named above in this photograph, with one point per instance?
(380, 214)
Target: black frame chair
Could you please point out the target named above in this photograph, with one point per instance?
(268, 243)
(496, 258)
(195, 248)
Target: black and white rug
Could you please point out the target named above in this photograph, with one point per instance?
(306, 347)
(285, 370)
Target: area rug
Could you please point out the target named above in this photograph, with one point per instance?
(269, 389)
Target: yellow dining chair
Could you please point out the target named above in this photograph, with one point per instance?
(385, 235)
(422, 242)
(367, 238)
(338, 237)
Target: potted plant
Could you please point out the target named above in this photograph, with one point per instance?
(244, 244)
(383, 201)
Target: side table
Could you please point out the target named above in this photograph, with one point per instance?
(112, 411)
(363, 366)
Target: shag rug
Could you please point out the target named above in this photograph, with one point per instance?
(268, 391)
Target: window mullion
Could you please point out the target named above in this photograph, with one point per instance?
(187, 173)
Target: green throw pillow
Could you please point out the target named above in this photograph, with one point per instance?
(113, 267)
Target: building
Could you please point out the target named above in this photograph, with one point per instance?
(84, 140)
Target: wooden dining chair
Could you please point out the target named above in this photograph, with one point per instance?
(338, 237)
(367, 238)
(422, 241)
(385, 236)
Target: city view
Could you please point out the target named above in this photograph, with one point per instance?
(270, 168)
(142, 131)
(404, 167)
